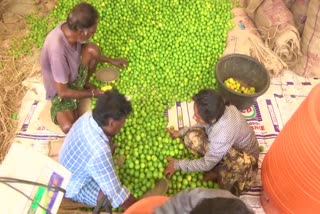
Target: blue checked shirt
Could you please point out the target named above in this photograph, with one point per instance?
(87, 155)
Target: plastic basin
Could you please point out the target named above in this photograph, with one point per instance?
(248, 71)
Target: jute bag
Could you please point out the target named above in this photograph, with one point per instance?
(240, 3)
(45, 119)
(45, 116)
(244, 38)
(309, 63)
(276, 26)
(289, 3)
(299, 11)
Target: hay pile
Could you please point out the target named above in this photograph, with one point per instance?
(3, 7)
(12, 73)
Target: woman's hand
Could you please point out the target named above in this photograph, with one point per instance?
(120, 62)
(170, 170)
(173, 133)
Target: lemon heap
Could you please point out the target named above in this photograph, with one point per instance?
(235, 85)
(106, 88)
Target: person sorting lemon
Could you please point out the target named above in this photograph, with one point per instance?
(228, 146)
(204, 201)
(67, 62)
(87, 154)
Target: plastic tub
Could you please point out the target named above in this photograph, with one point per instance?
(291, 169)
(248, 71)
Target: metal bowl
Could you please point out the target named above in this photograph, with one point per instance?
(108, 74)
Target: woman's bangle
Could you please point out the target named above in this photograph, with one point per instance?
(92, 92)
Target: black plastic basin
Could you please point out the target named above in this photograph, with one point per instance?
(248, 71)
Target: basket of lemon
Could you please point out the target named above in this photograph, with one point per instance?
(241, 79)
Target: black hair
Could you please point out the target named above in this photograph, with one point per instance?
(221, 206)
(111, 105)
(82, 16)
(210, 104)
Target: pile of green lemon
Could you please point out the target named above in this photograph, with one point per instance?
(172, 47)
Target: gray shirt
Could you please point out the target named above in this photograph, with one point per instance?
(186, 201)
(231, 130)
(59, 61)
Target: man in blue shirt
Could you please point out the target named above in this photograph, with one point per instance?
(86, 153)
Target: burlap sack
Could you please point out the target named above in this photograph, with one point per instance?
(299, 11)
(244, 38)
(276, 26)
(289, 3)
(240, 3)
(45, 119)
(309, 64)
(54, 148)
(45, 116)
(287, 45)
(268, 13)
(237, 38)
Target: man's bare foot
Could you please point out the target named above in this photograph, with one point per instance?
(210, 176)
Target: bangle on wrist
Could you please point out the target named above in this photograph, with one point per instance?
(92, 92)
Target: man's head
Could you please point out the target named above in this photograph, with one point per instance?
(221, 206)
(209, 106)
(83, 20)
(111, 111)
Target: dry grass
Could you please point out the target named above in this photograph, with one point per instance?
(3, 6)
(12, 73)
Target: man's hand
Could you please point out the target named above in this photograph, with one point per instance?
(96, 92)
(130, 200)
(120, 63)
(89, 86)
(170, 170)
(173, 133)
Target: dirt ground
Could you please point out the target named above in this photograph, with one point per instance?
(14, 12)
(13, 71)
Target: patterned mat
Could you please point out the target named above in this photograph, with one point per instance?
(267, 117)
